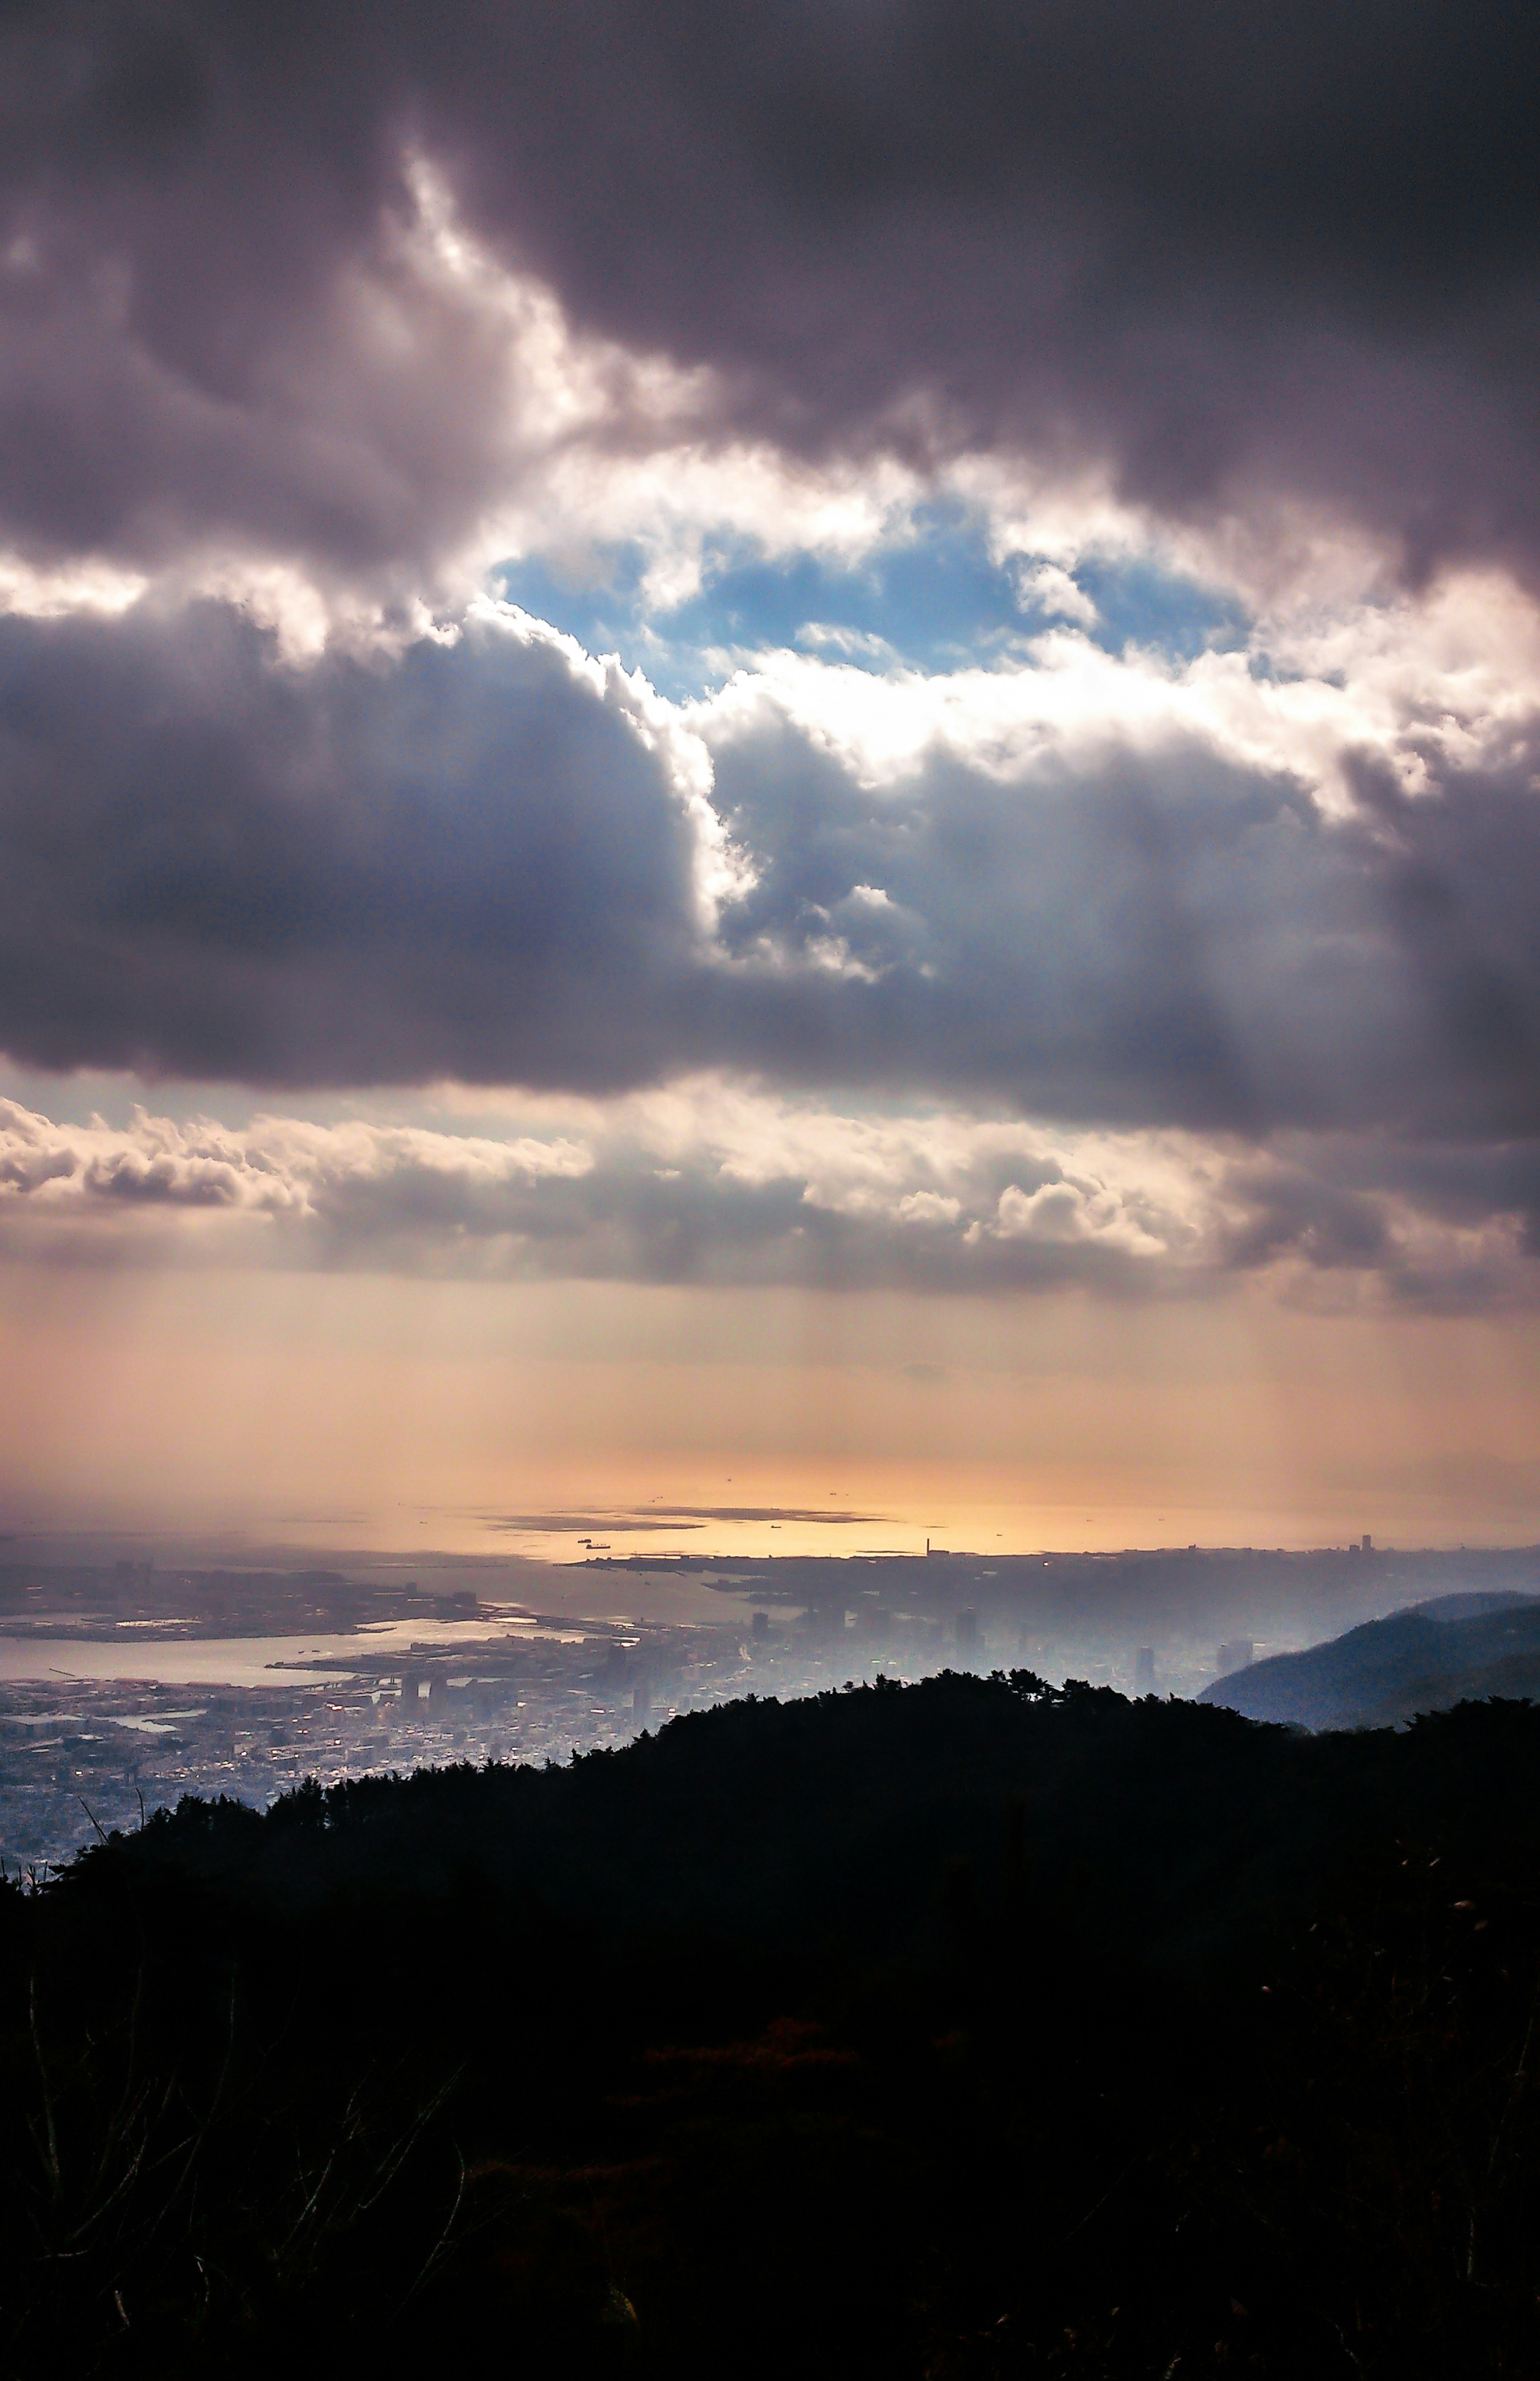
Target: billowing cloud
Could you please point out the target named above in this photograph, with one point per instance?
(1117, 892)
(281, 1168)
(699, 1183)
(1229, 263)
(487, 858)
(716, 1185)
(1085, 953)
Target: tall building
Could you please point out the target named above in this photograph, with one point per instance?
(1144, 1671)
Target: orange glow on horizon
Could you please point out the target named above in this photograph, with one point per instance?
(413, 1414)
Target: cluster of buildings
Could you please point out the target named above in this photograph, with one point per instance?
(80, 1757)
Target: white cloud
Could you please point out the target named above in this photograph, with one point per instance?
(274, 1168)
(46, 594)
(1068, 1211)
(928, 1208)
(1047, 588)
(1454, 670)
(822, 637)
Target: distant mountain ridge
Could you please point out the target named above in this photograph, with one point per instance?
(1460, 1648)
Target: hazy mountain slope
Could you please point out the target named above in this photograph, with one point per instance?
(1456, 1649)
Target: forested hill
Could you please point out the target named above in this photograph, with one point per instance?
(1177, 1826)
(964, 2031)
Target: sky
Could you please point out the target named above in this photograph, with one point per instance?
(767, 774)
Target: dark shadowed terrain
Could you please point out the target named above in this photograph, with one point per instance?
(975, 2028)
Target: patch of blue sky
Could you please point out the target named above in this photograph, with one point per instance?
(1138, 604)
(935, 601)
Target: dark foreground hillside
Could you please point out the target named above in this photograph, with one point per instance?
(965, 2030)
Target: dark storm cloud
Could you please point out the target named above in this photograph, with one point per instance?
(213, 865)
(1233, 252)
(474, 862)
(1153, 936)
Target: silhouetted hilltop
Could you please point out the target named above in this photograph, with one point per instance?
(1454, 1649)
(835, 1817)
(962, 2031)
(767, 1820)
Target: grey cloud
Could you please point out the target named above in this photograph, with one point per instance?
(1158, 936)
(1069, 929)
(1232, 253)
(567, 1525)
(1441, 1225)
(838, 1204)
(819, 1513)
(668, 1517)
(483, 861)
(466, 863)
(389, 1199)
